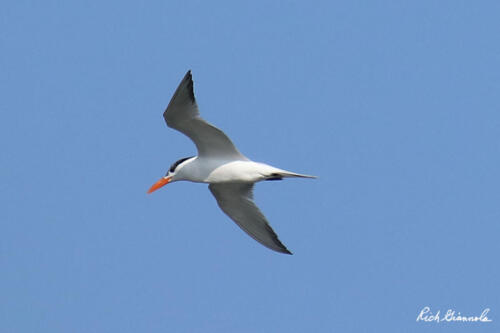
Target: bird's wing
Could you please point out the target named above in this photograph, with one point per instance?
(182, 114)
(236, 200)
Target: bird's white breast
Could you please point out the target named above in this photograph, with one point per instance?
(239, 171)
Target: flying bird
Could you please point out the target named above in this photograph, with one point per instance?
(231, 176)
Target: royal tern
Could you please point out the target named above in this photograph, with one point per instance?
(231, 176)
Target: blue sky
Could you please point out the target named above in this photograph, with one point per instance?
(394, 105)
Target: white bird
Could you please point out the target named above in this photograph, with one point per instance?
(230, 174)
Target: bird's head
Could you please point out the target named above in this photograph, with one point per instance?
(173, 174)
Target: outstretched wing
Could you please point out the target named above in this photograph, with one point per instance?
(236, 200)
(182, 114)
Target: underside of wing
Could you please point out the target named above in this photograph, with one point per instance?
(182, 114)
(236, 200)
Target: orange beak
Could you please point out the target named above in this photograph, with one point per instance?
(162, 182)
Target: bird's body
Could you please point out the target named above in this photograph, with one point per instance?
(230, 174)
(212, 171)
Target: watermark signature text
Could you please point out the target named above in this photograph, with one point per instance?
(426, 315)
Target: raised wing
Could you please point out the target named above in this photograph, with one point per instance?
(182, 114)
(236, 200)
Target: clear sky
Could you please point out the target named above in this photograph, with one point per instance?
(395, 105)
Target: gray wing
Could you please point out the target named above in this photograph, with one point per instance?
(182, 114)
(236, 200)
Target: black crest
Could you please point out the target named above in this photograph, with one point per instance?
(174, 166)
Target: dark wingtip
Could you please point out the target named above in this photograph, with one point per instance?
(188, 77)
(283, 248)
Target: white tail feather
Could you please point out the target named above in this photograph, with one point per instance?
(287, 174)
